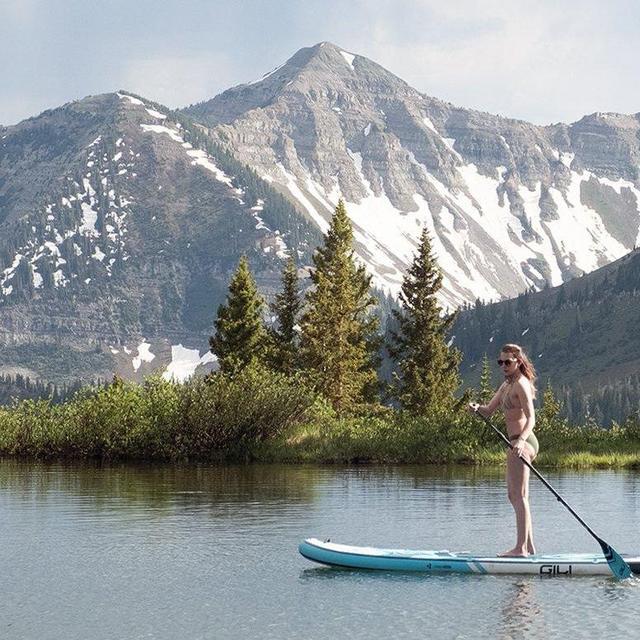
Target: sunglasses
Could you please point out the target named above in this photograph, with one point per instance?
(507, 362)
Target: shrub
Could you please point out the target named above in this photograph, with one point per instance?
(214, 418)
(228, 413)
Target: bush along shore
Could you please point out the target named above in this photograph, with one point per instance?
(263, 416)
(307, 388)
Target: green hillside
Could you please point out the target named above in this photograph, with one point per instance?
(582, 337)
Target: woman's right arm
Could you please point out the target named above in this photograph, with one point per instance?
(487, 410)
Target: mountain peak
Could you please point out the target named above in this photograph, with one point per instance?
(323, 55)
(328, 51)
(321, 67)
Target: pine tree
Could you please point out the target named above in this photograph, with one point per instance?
(339, 342)
(549, 415)
(284, 340)
(240, 334)
(486, 386)
(427, 373)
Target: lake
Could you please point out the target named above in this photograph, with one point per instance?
(190, 552)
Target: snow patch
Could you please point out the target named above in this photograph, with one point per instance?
(131, 99)
(566, 158)
(144, 355)
(184, 363)
(37, 279)
(266, 75)
(155, 114)
(202, 159)
(89, 219)
(429, 124)
(158, 128)
(296, 192)
(349, 58)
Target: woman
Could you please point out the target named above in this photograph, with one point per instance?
(515, 397)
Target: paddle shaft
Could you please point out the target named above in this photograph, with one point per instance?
(544, 481)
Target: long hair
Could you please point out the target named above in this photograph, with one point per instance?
(526, 368)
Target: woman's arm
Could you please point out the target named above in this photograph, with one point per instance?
(487, 410)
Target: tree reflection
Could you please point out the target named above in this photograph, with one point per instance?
(160, 486)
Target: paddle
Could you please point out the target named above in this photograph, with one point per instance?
(618, 566)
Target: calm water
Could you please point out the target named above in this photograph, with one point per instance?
(200, 552)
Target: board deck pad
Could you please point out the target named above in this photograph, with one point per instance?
(564, 564)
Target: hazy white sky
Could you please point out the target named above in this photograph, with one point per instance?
(543, 61)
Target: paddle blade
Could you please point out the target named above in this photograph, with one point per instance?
(618, 566)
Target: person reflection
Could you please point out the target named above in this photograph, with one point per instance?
(520, 611)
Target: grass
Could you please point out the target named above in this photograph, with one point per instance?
(364, 441)
(590, 460)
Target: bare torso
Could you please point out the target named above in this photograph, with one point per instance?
(514, 415)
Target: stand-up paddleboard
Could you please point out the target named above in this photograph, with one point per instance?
(565, 564)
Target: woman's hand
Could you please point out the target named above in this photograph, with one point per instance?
(518, 447)
(473, 407)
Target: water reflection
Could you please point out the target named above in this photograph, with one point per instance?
(520, 611)
(339, 574)
(159, 486)
(231, 489)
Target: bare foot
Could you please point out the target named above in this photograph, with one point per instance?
(516, 552)
(531, 550)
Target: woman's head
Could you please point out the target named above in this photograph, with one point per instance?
(513, 358)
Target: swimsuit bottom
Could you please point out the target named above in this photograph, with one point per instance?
(532, 440)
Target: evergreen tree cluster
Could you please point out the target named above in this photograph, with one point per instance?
(19, 386)
(240, 335)
(609, 403)
(339, 341)
(333, 335)
(286, 307)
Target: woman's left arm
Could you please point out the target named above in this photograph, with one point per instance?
(525, 395)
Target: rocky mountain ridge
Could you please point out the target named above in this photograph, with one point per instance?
(121, 220)
(119, 231)
(510, 205)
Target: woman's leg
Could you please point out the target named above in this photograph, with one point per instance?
(530, 455)
(518, 490)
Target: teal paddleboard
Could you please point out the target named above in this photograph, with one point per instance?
(564, 564)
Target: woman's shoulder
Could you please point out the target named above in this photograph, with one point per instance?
(524, 383)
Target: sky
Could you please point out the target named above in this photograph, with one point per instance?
(543, 61)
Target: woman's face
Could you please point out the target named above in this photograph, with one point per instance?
(508, 363)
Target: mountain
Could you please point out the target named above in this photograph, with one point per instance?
(510, 205)
(121, 221)
(581, 336)
(120, 224)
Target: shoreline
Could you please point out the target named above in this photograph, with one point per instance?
(578, 460)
